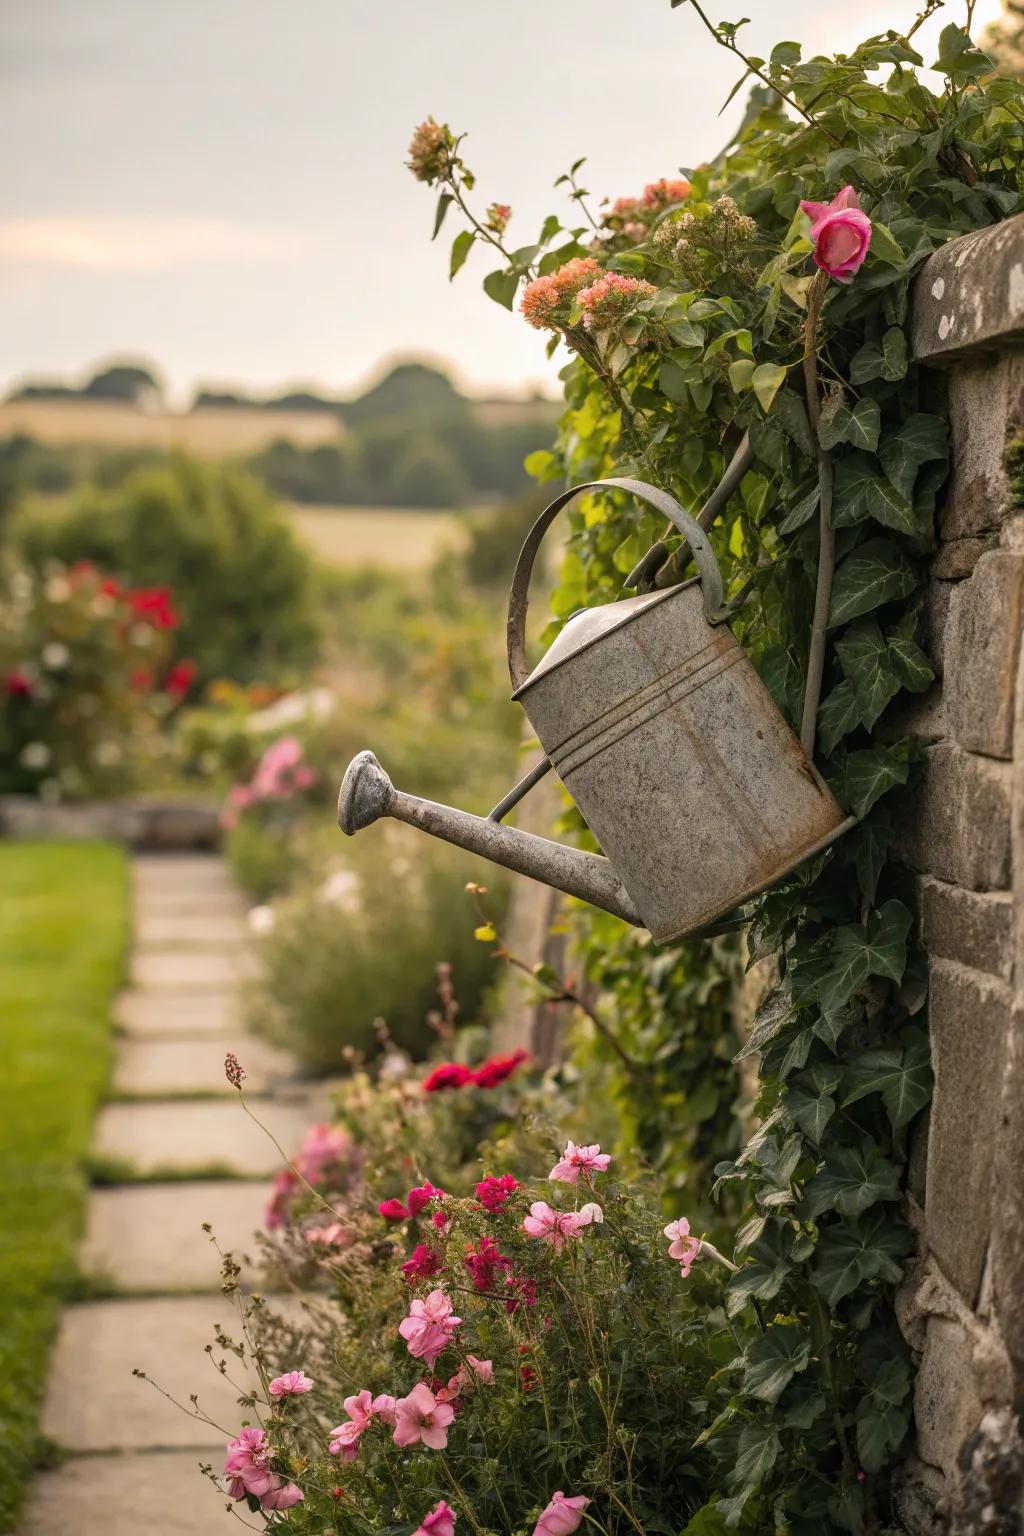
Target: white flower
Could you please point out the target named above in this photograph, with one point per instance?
(341, 890)
(55, 655)
(262, 919)
(34, 754)
(589, 1213)
(107, 753)
(58, 589)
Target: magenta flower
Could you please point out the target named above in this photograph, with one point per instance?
(429, 1327)
(283, 1496)
(576, 1160)
(841, 234)
(551, 1226)
(440, 1522)
(682, 1246)
(291, 1384)
(561, 1516)
(495, 1192)
(424, 1263)
(422, 1195)
(420, 1417)
(393, 1210)
(362, 1409)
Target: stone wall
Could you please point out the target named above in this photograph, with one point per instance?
(962, 1309)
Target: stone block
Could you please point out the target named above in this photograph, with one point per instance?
(181, 872)
(1008, 1236)
(163, 1067)
(969, 1015)
(969, 297)
(936, 611)
(184, 1136)
(958, 557)
(958, 821)
(185, 928)
(981, 653)
(177, 1013)
(947, 1408)
(971, 927)
(977, 496)
(190, 970)
(160, 1492)
(917, 1494)
(149, 1237)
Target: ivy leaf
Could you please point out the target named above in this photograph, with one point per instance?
(858, 1251)
(461, 247)
(958, 58)
(832, 1022)
(773, 1360)
(861, 492)
(796, 1053)
(758, 1447)
(870, 842)
(902, 1075)
(812, 1112)
(858, 424)
(885, 246)
(791, 414)
(871, 773)
(864, 657)
(919, 439)
(876, 948)
(886, 359)
(501, 287)
(760, 1281)
(880, 1431)
(770, 1017)
(909, 661)
(852, 1180)
(766, 381)
(873, 573)
(838, 715)
(672, 383)
(801, 513)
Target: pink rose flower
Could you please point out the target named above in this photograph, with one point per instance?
(682, 1246)
(283, 1496)
(424, 1263)
(562, 1515)
(247, 1464)
(575, 1160)
(362, 1409)
(334, 1235)
(551, 1226)
(429, 1327)
(841, 234)
(291, 1384)
(479, 1370)
(440, 1522)
(420, 1417)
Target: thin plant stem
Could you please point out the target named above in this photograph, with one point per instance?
(826, 535)
(317, 1196)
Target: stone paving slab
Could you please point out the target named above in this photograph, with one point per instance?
(93, 1403)
(187, 929)
(200, 1135)
(163, 1067)
(149, 1237)
(187, 1014)
(179, 901)
(190, 970)
(161, 1493)
(191, 872)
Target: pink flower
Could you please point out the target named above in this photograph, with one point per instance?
(576, 1159)
(428, 1329)
(291, 1384)
(282, 1496)
(276, 1213)
(841, 234)
(323, 1146)
(362, 1409)
(424, 1263)
(611, 298)
(334, 1235)
(422, 1195)
(18, 684)
(547, 300)
(562, 1515)
(551, 1226)
(479, 1370)
(420, 1417)
(393, 1210)
(660, 194)
(493, 1193)
(588, 1214)
(247, 1464)
(440, 1522)
(682, 1246)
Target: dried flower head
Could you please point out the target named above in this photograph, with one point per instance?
(233, 1070)
(431, 151)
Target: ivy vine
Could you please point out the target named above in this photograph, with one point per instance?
(808, 1415)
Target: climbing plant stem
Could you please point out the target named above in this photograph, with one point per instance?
(826, 535)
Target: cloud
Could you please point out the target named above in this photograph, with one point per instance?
(138, 245)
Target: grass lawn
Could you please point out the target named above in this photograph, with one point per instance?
(63, 935)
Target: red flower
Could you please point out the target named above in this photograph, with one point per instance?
(422, 1195)
(393, 1210)
(524, 1292)
(154, 605)
(180, 679)
(497, 1068)
(141, 678)
(486, 1263)
(110, 587)
(424, 1263)
(493, 1193)
(18, 684)
(450, 1074)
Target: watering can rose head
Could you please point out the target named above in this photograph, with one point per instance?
(841, 233)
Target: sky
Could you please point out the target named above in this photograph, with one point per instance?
(218, 185)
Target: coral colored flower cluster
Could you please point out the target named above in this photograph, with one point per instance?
(632, 216)
(610, 298)
(489, 1074)
(281, 774)
(546, 301)
(497, 217)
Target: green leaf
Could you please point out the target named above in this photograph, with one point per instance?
(901, 1074)
(811, 1111)
(791, 414)
(880, 1431)
(860, 492)
(919, 439)
(864, 657)
(766, 381)
(852, 1180)
(775, 1009)
(542, 465)
(758, 1447)
(885, 246)
(832, 1023)
(874, 573)
(801, 513)
(870, 773)
(740, 374)
(759, 1281)
(672, 383)
(880, 360)
(461, 247)
(958, 57)
(857, 951)
(685, 333)
(444, 202)
(870, 843)
(858, 424)
(773, 1360)
(501, 287)
(857, 1251)
(837, 716)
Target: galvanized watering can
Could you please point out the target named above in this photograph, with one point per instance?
(656, 722)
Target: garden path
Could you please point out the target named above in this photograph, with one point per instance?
(172, 1150)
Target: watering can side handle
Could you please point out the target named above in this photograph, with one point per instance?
(519, 593)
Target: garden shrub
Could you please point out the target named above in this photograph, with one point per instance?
(213, 535)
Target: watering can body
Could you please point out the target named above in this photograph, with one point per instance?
(658, 725)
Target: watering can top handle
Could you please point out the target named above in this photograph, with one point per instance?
(519, 594)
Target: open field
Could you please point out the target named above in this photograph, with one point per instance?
(395, 538)
(209, 432)
(63, 931)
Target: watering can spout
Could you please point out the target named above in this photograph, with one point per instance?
(367, 794)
